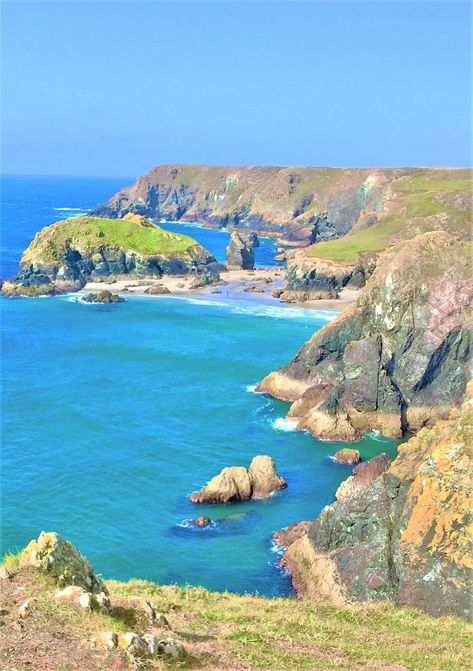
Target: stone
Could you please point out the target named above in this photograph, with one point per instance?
(134, 646)
(202, 521)
(71, 594)
(25, 609)
(363, 475)
(205, 279)
(264, 477)
(106, 639)
(157, 290)
(347, 456)
(4, 574)
(236, 483)
(58, 558)
(104, 296)
(170, 647)
(240, 254)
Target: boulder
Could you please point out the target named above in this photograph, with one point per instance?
(347, 456)
(264, 477)
(157, 290)
(104, 296)
(206, 279)
(240, 254)
(236, 483)
(201, 521)
(58, 558)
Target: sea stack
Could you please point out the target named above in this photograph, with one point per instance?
(240, 254)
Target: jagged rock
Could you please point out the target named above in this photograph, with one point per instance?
(156, 618)
(103, 297)
(363, 475)
(396, 360)
(240, 254)
(157, 290)
(236, 483)
(292, 533)
(205, 279)
(347, 456)
(404, 536)
(58, 558)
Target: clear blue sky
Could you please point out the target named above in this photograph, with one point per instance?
(106, 88)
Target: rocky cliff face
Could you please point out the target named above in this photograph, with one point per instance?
(305, 204)
(403, 536)
(62, 257)
(240, 254)
(398, 359)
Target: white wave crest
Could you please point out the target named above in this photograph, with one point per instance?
(251, 389)
(284, 424)
(263, 310)
(70, 209)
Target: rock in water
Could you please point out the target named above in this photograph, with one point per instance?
(236, 483)
(403, 536)
(61, 560)
(292, 533)
(103, 297)
(264, 478)
(240, 254)
(201, 521)
(347, 456)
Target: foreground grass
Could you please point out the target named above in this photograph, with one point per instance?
(228, 631)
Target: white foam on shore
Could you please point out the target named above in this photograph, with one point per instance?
(70, 209)
(251, 389)
(263, 309)
(284, 424)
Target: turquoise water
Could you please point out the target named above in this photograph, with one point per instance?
(113, 415)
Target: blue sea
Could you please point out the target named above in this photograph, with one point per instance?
(113, 415)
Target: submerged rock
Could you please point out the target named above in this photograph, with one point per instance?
(58, 558)
(347, 456)
(201, 521)
(236, 483)
(240, 254)
(104, 296)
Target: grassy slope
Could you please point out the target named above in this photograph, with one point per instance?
(93, 233)
(414, 200)
(222, 630)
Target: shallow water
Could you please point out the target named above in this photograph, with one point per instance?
(112, 415)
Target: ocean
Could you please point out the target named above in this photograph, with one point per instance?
(113, 414)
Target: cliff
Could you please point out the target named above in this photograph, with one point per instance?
(62, 257)
(398, 359)
(404, 537)
(302, 204)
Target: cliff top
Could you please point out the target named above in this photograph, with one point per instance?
(132, 233)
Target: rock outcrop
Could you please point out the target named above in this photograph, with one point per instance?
(236, 483)
(404, 536)
(347, 456)
(103, 297)
(58, 558)
(64, 256)
(299, 204)
(240, 254)
(398, 359)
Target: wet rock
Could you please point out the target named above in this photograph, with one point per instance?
(103, 297)
(347, 456)
(236, 483)
(58, 558)
(240, 254)
(201, 521)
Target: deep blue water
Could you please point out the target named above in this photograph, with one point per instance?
(112, 415)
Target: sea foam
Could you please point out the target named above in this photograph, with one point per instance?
(284, 424)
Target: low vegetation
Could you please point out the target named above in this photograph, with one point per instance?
(226, 631)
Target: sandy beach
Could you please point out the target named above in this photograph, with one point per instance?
(258, 284)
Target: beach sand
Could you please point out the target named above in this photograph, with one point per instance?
(258, 284)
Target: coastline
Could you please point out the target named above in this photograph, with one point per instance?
(255, 285)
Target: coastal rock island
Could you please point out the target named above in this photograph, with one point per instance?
(236, 483)
(64, 256)
(240, 254)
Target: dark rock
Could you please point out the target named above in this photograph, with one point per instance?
(103, 297)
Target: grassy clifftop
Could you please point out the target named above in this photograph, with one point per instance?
(417, 203)
(132, 233)
(223, 631)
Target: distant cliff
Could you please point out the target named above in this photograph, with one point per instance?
(302, 204)
(399, 358)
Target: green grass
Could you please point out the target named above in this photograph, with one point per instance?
(92, 233)
(11, 562)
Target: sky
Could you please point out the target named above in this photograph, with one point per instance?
(114, 88)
